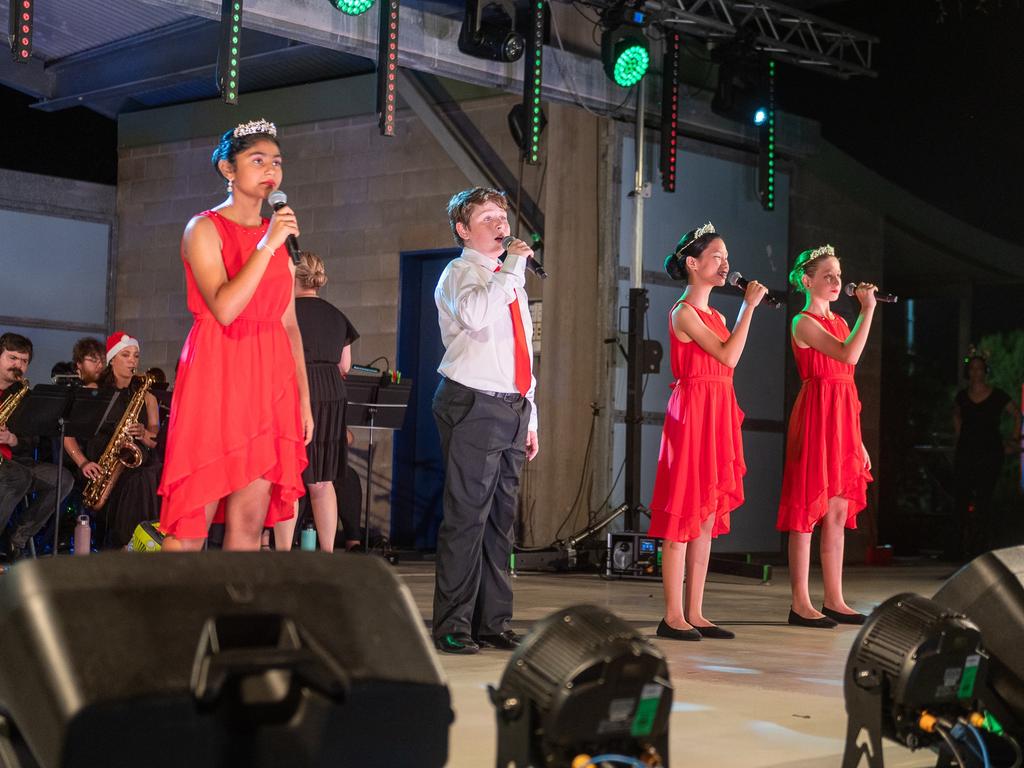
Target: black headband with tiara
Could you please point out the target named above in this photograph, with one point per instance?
(817, 253)
(253, 127)
(707, 229)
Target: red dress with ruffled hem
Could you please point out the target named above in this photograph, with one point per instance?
(235, 413)
(824, 451)
(700, 465)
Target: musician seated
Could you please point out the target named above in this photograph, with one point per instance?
(20, 473)
(89, 357)
(133, 497)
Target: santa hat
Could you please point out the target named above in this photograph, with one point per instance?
(117, 341)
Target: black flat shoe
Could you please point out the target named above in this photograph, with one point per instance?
(671, 633)
(715, 633)
(844, 618)
(505, 641)
(799, 621)
(457, 643)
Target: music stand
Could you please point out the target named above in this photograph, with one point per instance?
(62, 411)
(375, 403)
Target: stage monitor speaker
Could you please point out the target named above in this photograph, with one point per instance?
(216, 659)
(990, 591)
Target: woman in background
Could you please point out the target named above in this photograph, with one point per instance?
(327, 337)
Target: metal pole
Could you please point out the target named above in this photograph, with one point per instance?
(638, 192)
(635, 343)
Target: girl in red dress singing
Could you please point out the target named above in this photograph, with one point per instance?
(240, 417)
(700, 466)
(827, 467)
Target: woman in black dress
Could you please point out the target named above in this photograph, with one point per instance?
(980, 452)
(327, 338)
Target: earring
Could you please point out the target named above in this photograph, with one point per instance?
(231, 186)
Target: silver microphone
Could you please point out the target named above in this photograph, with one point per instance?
(885, 298)
(278, 200)
(531, 263)
(738, 281)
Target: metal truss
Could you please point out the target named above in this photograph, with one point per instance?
(785, 33)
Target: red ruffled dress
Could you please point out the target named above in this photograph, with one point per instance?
(235, 413)
(824, 452)
(700, 465)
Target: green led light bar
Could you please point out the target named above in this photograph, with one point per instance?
(533, 76)
(229, 54)
(766, 146)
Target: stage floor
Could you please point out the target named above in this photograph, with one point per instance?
(771, 697)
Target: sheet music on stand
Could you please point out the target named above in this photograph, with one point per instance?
(375, 403)
(54, 410)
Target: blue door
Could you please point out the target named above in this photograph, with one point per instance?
(418, 474)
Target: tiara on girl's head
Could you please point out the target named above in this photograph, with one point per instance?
(707, 229)
(974, 352)
(255, 126)
(825, 250)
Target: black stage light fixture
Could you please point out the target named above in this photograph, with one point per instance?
(583, 684)
(229, 54)
(20, 23)
(488, 31)
(990, 591)
(670, 110)
(625, 51)
(741, 93)
(913, 672)
(387, 66)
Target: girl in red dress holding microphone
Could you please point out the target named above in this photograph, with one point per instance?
(827, 467)
(700, 466)
(240, 417)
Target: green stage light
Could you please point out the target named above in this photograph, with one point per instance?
(625, 54)
(352, 7)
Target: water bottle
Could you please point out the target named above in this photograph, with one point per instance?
(83, 535)
(307, 541)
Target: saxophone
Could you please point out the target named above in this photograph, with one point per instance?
(121, 452)
(10, 405)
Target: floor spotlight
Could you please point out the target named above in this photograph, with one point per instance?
(488, 31)
(990, 591)
(912, 676)
(583, 684)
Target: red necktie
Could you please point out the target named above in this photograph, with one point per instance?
(522, 353)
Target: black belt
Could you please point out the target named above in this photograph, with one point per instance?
(508, 397)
